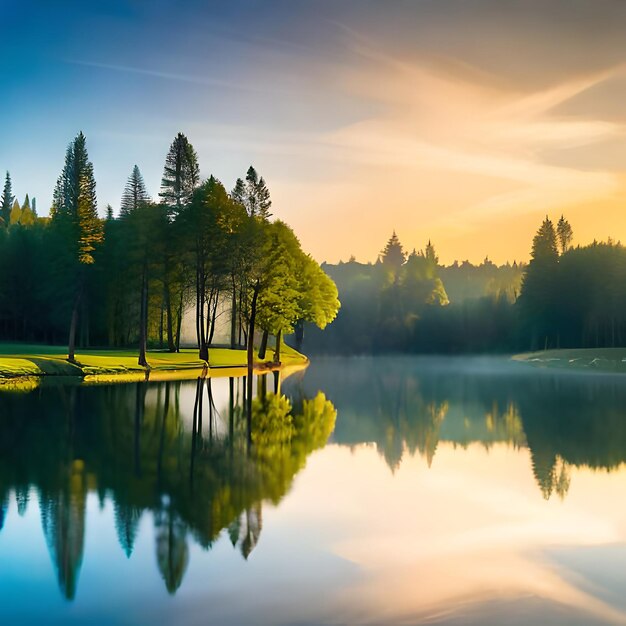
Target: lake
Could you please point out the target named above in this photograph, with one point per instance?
(366, 491)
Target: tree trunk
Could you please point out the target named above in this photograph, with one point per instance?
(198, 304)
(179, 321)
(240, 311)
(233, 318)
(277, 351)
(168, 318)
(263, 347)
(255, 296)
(71, 347)
(213, 317)
(143, 314)
(71, 343)
(161, 328)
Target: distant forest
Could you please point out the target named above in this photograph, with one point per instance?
(565, 296)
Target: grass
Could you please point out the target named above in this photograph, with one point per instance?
(32, 361)
(590, 359)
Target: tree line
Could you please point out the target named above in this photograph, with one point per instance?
(409, 302)
(565, 297)
(128, 280)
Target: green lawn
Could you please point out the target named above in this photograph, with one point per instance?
(17, 360)
(590, 359)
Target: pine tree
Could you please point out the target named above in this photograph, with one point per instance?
(393, 254)
(238, 194)
(74, 204)
(544, 243)
(564, 234)
(16, 213)
(6, 200)
(256, 195)
(181, 174)
(135, 193)
(109, 213)
(430, 254)
(34, 206)
(27, 217)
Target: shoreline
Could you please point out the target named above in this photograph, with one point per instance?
(28, 365)
(601, 360)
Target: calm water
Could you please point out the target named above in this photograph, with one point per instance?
(374, 491)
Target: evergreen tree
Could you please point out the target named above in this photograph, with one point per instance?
(27, 217)
(256, 195)
(181, 174)
(16, 213)
(431, 255)
(238, 194)
(75, 207)
(393, 254)
(539, 288)
(109, 213)
(564, 234)
(6, 200)
(135, 193)
(34, 206)
(544, 243)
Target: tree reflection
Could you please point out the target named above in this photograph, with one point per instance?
(409, 406)
(196, 473)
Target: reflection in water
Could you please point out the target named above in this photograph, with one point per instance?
(473, 446)
(137, 445)
(409, 405)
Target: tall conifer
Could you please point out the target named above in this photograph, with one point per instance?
(135, 193)
(74, 204)
(181, 174)
(6, 200)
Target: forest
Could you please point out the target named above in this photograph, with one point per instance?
(565, 297)
(130, 278)
(216, 257)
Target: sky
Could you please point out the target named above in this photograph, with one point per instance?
(460, 121)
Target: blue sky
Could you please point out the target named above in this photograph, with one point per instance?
(444, 119)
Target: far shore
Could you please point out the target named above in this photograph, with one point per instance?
(579, 359)
(22, 362)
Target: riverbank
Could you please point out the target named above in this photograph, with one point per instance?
(20, 361)
(589, 359)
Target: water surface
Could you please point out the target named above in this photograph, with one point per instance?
(368, 490)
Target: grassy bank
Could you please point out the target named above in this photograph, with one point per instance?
(589, 359)
(21, 360)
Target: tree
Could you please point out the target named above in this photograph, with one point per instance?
(75, 211)
(135, 193)
(16, 213)
(431, 255)
(181, 174)
(143, 227)
(204, 221)
(6, 200)
(545, 243)
(279, 297)
(27, 217)
(253, 194)
(319, 298)
(393, 254)
(539, 287)
(564, 234)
